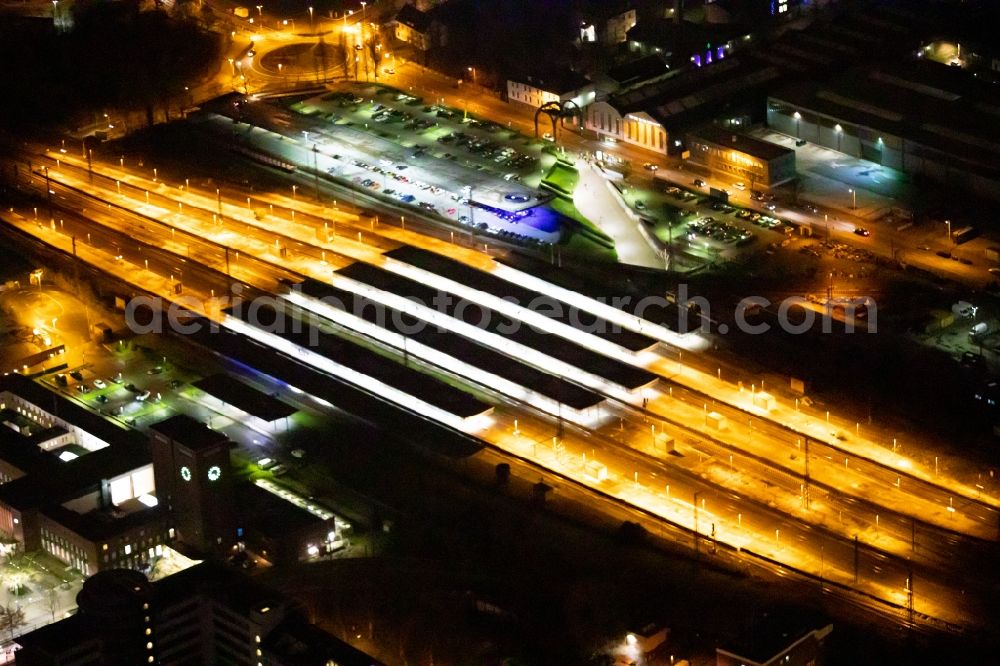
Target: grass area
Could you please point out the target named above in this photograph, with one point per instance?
(586, 247)
(580, 235)
(561, 178)
(566, 208)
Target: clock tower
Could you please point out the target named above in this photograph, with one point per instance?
(191, 466)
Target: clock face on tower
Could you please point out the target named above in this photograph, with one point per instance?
(185, 473)
(214, 473)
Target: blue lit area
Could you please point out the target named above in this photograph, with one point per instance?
(540, 218)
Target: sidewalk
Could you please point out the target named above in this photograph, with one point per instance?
(596, 202)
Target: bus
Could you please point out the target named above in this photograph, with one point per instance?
(963, 235)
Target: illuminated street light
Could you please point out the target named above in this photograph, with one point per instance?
(948, 224)
(854, 198)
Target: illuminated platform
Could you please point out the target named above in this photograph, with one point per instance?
(660, 320)
(499, 331)
(496, 286)
(356, 364)
(259, 408)
(450, 350)
(328, 390)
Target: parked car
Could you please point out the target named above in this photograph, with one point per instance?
(861, 231)
(740, 186)
(698, 182)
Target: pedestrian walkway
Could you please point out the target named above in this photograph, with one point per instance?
(596, 202)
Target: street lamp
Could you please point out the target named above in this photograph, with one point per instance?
(798, 124)
(260, 11)
(854, 198)
(840, 132)
(948, 224)
(694, 505)
(473, 71)
(312, 24)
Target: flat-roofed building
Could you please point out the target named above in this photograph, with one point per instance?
(72, 483)
(552, 85)
(284, 527)
(192, 468)
(759, 163)
(923, 118)
(207, 614)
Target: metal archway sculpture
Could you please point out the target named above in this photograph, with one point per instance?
(557, 113)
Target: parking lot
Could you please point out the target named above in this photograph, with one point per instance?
(394, 145)
(130, 383)
(703, 226)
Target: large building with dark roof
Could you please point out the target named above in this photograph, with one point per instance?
(724, 73)
(419, 28)
(920, 117)
(207, 614)
(74, 484)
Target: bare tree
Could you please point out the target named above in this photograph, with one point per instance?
(12, 618)
(52, 599)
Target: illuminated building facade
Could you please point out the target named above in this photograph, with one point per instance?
(755, 162)
(638, 128)
(419, 28)
(561, 85)
(75, 485)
